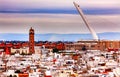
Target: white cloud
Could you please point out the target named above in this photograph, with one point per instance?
(58, 3)
(60, 23)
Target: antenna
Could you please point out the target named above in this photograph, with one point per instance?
(85, 21)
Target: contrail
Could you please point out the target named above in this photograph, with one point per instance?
(86, 22)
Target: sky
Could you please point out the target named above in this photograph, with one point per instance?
(58, 16)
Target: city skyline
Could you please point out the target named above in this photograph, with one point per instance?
(60, 17)
(52, 38)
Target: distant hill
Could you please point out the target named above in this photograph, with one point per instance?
(59, 37)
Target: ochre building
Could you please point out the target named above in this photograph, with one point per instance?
(103, 45)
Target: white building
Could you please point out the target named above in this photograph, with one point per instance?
(25, 50)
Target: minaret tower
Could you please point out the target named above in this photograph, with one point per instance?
(31, 41)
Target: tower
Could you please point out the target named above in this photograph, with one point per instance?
(31, 41)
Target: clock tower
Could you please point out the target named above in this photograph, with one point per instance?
(31, 41)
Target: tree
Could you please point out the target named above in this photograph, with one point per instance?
(14, 75)
(23, 53)
(17, 71)
(84, 48)
(55, 50)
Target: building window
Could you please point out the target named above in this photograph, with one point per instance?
(92, 46)
(111, 44)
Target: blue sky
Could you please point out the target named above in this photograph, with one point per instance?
(58, 16)
(90, 11)
(61, 6)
